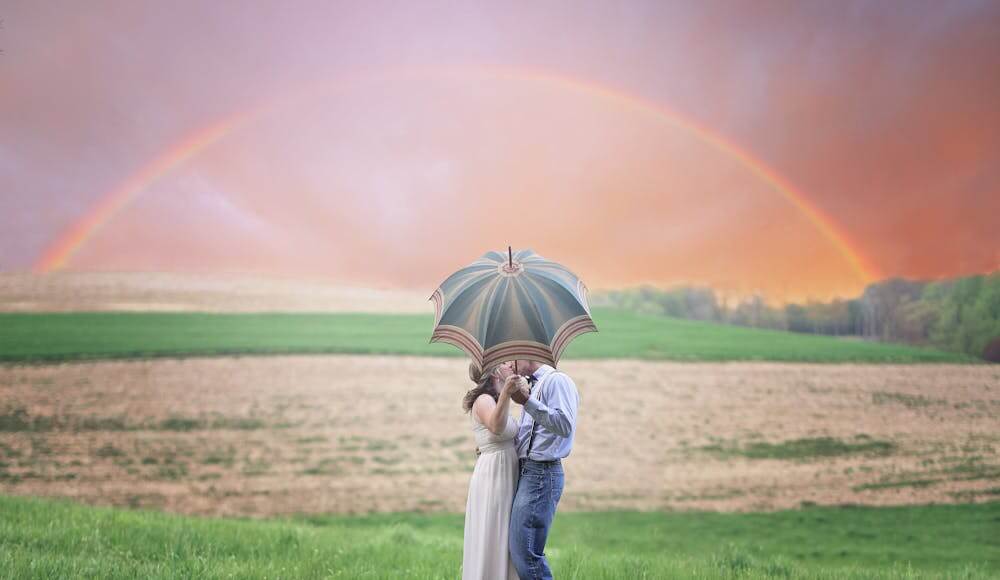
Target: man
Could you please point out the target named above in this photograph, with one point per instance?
(544, 438)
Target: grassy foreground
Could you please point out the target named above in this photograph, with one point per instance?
(56, 539)
(53, 337)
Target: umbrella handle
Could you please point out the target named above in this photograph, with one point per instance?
(510, 262)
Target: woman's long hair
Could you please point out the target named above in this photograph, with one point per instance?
(484, 384)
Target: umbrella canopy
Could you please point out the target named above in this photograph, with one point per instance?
(508, 306)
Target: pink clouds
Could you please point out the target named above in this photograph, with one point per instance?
(885, 117)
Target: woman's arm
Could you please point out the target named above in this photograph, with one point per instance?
(492, 413)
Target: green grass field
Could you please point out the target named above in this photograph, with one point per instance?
(52, 337)
(56, 539)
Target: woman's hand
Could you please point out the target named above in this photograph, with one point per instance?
(510, 384)
(516, 387)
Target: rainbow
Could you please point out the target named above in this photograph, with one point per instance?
(58, 254)
(61, 251)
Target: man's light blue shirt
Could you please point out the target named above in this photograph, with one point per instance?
(553, 404)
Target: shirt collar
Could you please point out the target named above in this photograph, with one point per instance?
(542, 371)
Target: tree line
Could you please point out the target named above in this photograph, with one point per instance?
(961, 314)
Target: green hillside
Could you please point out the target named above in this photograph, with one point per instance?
(43, 337)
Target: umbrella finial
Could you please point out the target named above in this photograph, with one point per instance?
(510, 258)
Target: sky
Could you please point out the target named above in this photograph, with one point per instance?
(796, 149)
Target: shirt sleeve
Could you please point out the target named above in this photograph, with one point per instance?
(559, 414)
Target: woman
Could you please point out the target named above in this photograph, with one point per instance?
(494, 479)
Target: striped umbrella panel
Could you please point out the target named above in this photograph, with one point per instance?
(497, 312)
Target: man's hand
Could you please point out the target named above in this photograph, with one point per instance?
(516, 388)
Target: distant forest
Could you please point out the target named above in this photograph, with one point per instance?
(961, 315)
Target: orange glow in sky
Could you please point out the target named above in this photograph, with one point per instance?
(762, 159)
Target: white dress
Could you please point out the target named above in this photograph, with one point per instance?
(487, 511)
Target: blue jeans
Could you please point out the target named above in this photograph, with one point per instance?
(538, 493)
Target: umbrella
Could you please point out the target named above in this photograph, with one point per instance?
(509, 306)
